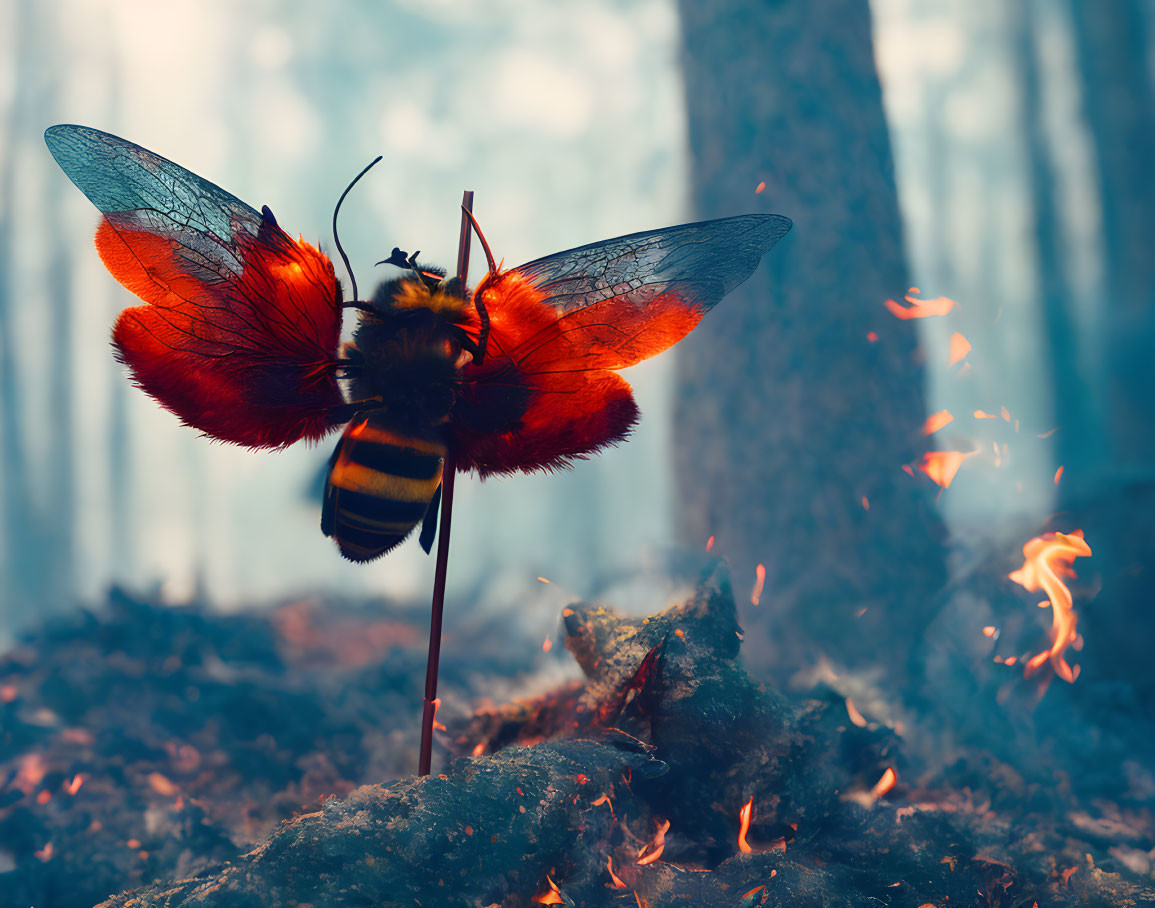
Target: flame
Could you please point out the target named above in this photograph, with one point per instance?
(885, 784)
(855, 716)
(990, 630)
(653, 849)
(478, 749)
(872, 336)
(759, 582)
(745, 815)
(1047, 558)
(941, 466)
(162, 784)
(617, 884)
(437, 706)
(983, 414)
(760, 188)
(710, 543)
(45, 853)
(74, 786)
(604, 799)
(1058, 474)
(552, 895)
(546, 645)
(865, 503)
(920, 308)
(936, 422)
(959, 348)
(544, 580)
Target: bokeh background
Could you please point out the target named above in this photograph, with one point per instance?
(994, 153)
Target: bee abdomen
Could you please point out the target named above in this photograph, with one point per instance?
(379, 487)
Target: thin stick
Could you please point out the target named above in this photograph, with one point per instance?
(449, 471)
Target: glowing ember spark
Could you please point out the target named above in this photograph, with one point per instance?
(1058, 474)
(920, 308)
(941, 466)
(1050, 433)
(855, 716)
(908, 469)
(959, 348)
(552, 896)
(750, 895)
(885, 784)
(543, 580)
(74, 786)
(865, 503)
(989, 630)
(983, 414)
(1047, 558)
(653, 849)
(478, 749)
(44, 797)
(617, 880)
(437, 706)
(745, 815)
(936, 422)
(604, 799)
(761, 187)
(872, 336)
(759, 582)
(161, 784)
(45, 853)
(710, 544)
(546, 645)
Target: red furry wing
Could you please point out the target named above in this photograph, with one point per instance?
(546, 392)
(241, 327)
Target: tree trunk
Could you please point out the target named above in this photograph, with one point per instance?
(1107, 434)
(786, 415)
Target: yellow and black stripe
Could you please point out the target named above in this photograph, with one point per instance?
(379, 486)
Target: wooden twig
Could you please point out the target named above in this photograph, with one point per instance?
(449, 471)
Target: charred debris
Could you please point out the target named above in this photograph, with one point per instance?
(182, 758)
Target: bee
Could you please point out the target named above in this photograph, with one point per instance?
(240, 337)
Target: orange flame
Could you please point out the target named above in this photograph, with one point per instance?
(1058, 474)
(546, 645)
(1047, 558)
(959, 348)
(936, 422)
(618, 884)
(709, 543)
(653, 849)
(745, 815)
(552, 896)
(760, 188)
(759, 582)
(855, 716)
(885, 784)
(983, 414)
(920, 308)
(941, 466)
(74, 786)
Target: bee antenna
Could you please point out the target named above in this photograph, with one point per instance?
(481, 237)
(337, 239)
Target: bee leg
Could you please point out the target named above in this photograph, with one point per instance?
(429, 524)
(483, 334)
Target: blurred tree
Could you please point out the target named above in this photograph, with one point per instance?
(786, 416)
(1106, 439)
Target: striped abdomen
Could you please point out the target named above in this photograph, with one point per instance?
(379, 486)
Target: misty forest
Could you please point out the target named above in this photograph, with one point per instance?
(858, 614)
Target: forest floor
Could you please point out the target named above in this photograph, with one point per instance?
(186, 757)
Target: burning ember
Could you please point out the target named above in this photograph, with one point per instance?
(959, 348)
(653, 849)
(936, 422)
(745, 815)
(920, 308)
(1048, 558)
(941, 466)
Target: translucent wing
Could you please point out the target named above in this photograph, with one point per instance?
(242, 322)
(558, 325)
